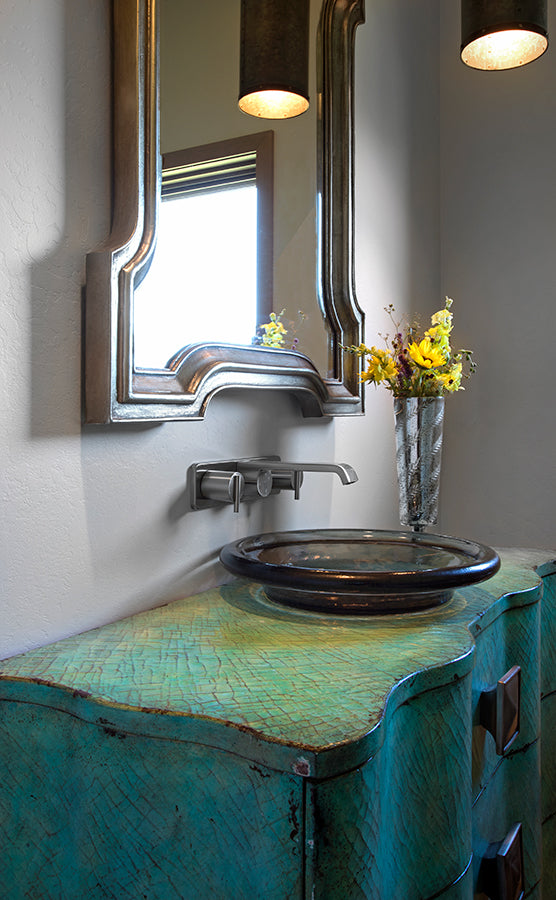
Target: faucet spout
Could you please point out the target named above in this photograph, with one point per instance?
(289, 476)
(345, 472)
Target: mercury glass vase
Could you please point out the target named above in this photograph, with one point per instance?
(419, 423)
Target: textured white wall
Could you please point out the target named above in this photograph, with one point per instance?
(93, 523)
(396, 228)
(498, 217)
(456, 195)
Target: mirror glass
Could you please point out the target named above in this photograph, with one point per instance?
(308, 211)
(202, 282)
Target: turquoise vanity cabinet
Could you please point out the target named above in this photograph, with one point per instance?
(548, 726)
(223, 748)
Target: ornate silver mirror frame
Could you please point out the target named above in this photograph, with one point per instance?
(114, 390)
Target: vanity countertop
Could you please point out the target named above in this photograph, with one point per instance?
(231, 669)
(223, 746)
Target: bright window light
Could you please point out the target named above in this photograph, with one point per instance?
(203, 271)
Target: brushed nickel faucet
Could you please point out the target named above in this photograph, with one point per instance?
(233, 481)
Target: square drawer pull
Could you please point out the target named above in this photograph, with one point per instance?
(499, 709)
(501, 870)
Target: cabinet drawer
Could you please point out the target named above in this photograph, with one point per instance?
(548, 629)
(399, 826)
(549, 858)
(548, 724)
(548, 756)
(462, 889)
(512, 795)
(511, 640)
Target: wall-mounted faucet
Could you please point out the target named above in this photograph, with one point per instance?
(289, 476)
(231, 481)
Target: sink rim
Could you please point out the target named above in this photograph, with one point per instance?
(344, 590)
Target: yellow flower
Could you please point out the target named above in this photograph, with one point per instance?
(439, 333)
(443, 319)
(381, 367)
(416, 364)
(451, 380)
(438, 336)
(274, 332)
(360, 350)
(426, 354)
(274, 328)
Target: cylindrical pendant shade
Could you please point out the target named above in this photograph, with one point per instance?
(502, 34)
(274, 58)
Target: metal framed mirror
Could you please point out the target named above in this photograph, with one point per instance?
(116, 389)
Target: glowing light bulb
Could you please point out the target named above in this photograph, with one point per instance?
(273, 104)
(506, 49)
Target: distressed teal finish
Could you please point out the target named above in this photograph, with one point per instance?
(548, 725)
(401, 823)
(499, 798)
(110, 813)
(221, 747)
(513, 795)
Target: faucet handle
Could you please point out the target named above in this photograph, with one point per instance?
(258, 479)
(290, 480)
(229, 481)
(226, 487)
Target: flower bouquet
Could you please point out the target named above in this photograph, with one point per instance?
(419, 370)
(273, 333)
(418, 366)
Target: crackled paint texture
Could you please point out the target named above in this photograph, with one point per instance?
(231, 656)
(226, 746)
(94, 521)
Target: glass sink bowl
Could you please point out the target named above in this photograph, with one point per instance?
(355, 571)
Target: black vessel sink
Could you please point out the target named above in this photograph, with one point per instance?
(356, 571)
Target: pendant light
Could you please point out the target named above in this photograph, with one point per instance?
(502, 34)
(274, 58)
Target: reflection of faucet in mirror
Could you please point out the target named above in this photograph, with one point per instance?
(230, 481)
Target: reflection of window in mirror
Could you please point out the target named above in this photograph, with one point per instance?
(211, 275)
